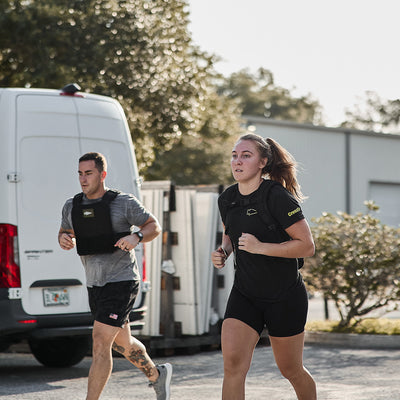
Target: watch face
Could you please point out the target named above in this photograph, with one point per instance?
(140, 235)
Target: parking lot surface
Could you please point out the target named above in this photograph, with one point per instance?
(340, 373)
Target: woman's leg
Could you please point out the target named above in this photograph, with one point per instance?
(238, 341)
(288, 353)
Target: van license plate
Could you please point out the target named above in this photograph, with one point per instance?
(56, 297)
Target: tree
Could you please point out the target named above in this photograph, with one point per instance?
(203, 156)
(357, 263)
(375, 114)
(137, 51)
(259, 96)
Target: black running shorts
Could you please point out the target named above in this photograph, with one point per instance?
(282, 318)
(112, 303)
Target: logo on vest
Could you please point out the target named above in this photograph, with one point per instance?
(251, 211)
(88, 213)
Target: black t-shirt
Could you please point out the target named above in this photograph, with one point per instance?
(259, 276)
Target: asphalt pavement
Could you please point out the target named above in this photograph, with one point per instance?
(341, 374)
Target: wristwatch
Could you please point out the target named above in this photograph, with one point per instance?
(140, 235)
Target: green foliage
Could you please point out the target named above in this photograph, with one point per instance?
(375, 114)
(137, 51)
(195, 161)
(258, 95)
(372, 326)
(356, 264)
(202, 157)
(184, 118)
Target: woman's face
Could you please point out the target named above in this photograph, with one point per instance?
(246, 162)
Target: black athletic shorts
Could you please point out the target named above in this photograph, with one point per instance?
(112, 303)
(282, 318)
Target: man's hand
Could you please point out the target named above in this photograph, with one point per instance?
(127, 243)
(67, 240)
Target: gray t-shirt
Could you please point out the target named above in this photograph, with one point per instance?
(100, 269)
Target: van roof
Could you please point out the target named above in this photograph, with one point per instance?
(54, 92)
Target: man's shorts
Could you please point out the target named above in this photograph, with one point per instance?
(112, 303)
(282, 318)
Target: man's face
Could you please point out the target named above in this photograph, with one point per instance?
(91, 179)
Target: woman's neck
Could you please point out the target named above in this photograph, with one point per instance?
(251, 186)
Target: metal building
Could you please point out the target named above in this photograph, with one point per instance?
(340, 168)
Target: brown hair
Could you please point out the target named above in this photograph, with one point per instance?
(98, 158)
(281, 166)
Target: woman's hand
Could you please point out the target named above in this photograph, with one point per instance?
(218, 258)
(249, 243)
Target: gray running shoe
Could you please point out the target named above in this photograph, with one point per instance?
(162, 384)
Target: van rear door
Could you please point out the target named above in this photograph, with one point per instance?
(47, 149)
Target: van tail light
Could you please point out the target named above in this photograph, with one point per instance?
(9, 260)
(144, 275)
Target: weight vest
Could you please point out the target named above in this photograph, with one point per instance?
(259, 203)
(92, 225)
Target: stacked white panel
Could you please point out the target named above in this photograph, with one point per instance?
(185, 304)
(205, 216)
(153, 199)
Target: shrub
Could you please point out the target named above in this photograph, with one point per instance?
(356, 264)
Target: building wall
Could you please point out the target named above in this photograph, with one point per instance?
(341, 168)
(374, 163)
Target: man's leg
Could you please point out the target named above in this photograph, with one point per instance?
(100, 370)
(135, 352)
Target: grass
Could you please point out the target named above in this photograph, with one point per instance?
(372, 326)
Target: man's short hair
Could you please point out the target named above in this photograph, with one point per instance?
(98, 158)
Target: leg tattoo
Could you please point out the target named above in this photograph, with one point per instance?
(117, 348)
(141, 360)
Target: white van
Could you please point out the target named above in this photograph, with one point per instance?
(43, 132)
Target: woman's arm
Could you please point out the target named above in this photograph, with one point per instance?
(301, 245)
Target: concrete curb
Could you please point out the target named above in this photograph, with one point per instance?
(352, 340)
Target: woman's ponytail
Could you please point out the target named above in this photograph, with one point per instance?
(282, 167)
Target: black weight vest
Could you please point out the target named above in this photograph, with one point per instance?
(259, 202)
(92, 225)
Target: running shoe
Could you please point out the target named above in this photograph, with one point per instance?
(163, 383)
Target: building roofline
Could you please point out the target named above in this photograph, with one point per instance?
(250, 119)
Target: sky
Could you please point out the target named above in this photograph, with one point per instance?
(334, 50)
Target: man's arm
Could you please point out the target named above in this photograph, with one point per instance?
(150, 230)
